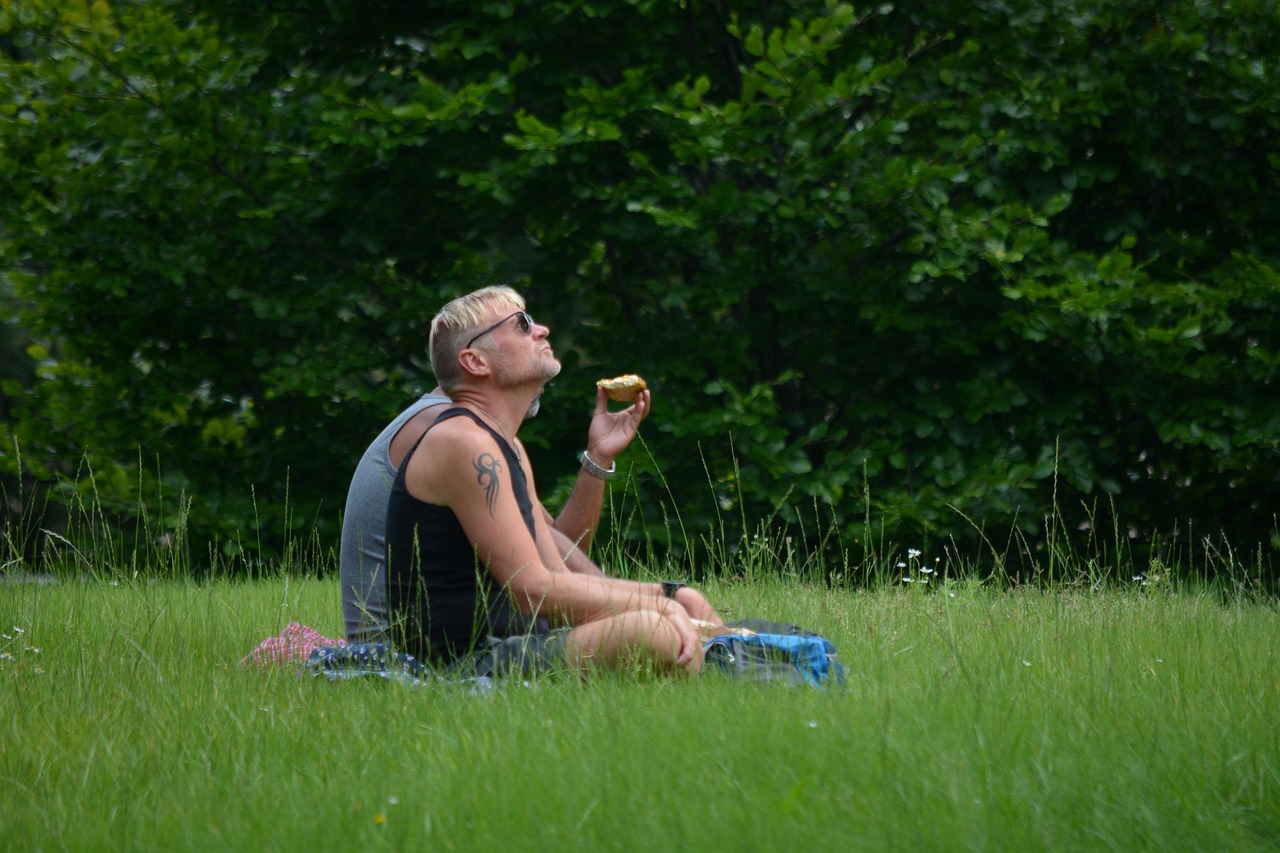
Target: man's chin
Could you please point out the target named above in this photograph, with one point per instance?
(552, 371)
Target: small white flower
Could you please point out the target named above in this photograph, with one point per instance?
(1026, 663)
(813, 724)
(18, 630)
(908, 580)
(393, 800)
(902, 565)
(925, 571)
(912, 553)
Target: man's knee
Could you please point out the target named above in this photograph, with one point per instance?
(613, 641)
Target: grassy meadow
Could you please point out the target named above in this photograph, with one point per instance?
(972, 718)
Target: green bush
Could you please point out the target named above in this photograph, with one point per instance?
(923, 271)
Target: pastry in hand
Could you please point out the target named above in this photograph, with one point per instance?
(623, 388)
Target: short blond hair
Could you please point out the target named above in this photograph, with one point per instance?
(457, 321)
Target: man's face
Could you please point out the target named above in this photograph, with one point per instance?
(519, 349)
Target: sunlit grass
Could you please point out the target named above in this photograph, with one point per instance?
(972, 718)
(1082, 702)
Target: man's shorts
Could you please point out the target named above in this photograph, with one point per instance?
(537, 653)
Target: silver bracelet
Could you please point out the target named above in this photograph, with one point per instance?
(595, 470)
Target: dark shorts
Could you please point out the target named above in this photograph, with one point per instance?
(537, 653)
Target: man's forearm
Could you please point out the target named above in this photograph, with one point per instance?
(574, 559)
(580, 514)
(573, 598)
(579, 563)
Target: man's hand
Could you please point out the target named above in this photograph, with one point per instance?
(611, 432)
(696, 605)
(690, 655)
(608, 435)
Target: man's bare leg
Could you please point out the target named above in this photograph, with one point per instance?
(626, 638)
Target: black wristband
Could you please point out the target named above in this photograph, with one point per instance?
(670, 588)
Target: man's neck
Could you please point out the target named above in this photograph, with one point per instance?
(506, 408)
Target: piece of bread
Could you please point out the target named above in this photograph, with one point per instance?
(707, 630)
(623, 388)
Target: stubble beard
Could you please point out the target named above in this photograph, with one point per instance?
(539, 373)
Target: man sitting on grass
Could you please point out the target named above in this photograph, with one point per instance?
(473, 568)
(363, 551)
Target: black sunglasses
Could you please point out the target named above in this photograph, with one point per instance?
(524, 322)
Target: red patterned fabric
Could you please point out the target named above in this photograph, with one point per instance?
(294, 645)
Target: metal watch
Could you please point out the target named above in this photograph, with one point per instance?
(595, 470)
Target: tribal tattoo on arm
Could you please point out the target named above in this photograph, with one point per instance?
(487, 470)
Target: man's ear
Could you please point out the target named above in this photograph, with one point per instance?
(474, 362)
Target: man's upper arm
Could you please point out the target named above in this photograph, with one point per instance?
(466, 471)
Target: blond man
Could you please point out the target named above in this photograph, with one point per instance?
(475, 580)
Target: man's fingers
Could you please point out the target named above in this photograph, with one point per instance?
(641, 405)
(689, 640)
(686, 652)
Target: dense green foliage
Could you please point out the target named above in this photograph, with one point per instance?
(910, 270)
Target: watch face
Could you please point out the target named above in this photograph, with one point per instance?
(670, 588)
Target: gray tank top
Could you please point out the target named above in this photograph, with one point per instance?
(363, 552)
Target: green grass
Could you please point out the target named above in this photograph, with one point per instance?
(972, 718)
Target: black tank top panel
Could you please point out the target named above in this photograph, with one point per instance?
(442, 603)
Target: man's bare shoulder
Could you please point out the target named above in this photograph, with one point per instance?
(450, 454)
(455, 439)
